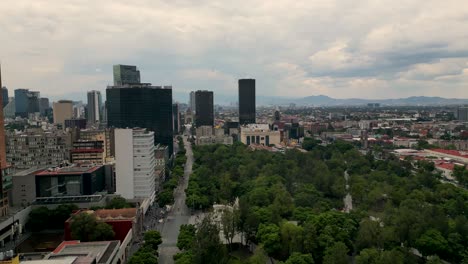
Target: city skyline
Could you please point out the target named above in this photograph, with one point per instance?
(361, 50)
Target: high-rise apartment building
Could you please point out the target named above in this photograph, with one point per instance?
(204, 108)
(94, 107)
(37, 148)
(126, 74)
(26, 102)
(44, 106)
(5, 96)
(142, 106)
(135, 163)
(246, 101)
(63, 110)
(192, 102)
(176, 118)
(462, 113)
(3, 161)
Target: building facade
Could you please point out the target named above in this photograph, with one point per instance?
(204, 108)
(63, 110)
(3, 161)
(105, 135)
(126, 74)
(26, 102)
(176, 118)
(75, 123)
(247, 101)
(85, 151)
(37, 148)
(94, 107)
(135, 163)
(462, 113)
(259, 134)
(142, 106)
(5, 97)
(192, 102)
(70, 181)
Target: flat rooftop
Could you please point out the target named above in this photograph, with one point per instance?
(102, 251)
(70, 170)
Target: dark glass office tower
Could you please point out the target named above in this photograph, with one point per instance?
(126, 74)
(246, 101)
(144, 106)
(5, 96)
(204, 112)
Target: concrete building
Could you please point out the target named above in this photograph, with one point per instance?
(74, 180)
(37, 148)
(94, 107)
(105, 135)
(135, 163)
(75, 123)
(126, 74)
(63, 110)
(88, 151)
(10, 109)
(44, 106)
(24, 186)
(4, 166)
(204, 131)
(192, 102)
(462, 113)
(176, 118)
(76, 252)
(5, 97)
(259, 134)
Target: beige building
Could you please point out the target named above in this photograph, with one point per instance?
(63, 110)
(260, 134)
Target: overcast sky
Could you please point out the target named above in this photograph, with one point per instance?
(343, 49)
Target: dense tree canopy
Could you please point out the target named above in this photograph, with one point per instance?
(291, 203)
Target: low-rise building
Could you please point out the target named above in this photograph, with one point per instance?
(75, 180)
(259, 134)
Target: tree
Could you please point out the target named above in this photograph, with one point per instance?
(291, 238)
(39, 218)
(259, 256)
(143, 257)
(432, 243)
(298, 258)
(186, 237)
(152, 239)
(207, 245)
(118, 203)
(85, 227)
(269, 237)
(337, 254)
(369, 234)
(102, 231)
(230, 222)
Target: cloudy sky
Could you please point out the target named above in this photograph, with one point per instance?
(343, 49)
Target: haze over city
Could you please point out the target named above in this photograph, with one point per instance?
(342, 49)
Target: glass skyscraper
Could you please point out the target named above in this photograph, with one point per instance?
(204, 112)
(126, 74)
(143, 106)
(246, 101)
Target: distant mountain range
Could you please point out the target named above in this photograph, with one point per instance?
(315, 100)
(323, 100)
